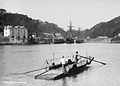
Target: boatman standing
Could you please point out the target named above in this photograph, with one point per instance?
(76, 60)
(47, 65)
(63, 64)
(76, 57)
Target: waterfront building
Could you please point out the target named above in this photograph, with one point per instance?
(102, 37)
(16, 34)
(44, 38)
(119, 34)
(7, 31)
(58, 36)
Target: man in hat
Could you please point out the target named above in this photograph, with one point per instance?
(76, 57)
(63, 64)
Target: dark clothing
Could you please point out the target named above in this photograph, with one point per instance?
(74, 66)
(76, 58)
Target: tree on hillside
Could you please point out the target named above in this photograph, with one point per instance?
(33, 25)
(110, 28)
(2, 22)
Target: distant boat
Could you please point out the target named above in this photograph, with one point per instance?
(79, 41)
(59, 41)
(45, 41)
(32, 41)
(115, 40)
(69, 40)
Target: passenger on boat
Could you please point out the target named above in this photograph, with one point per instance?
(47, 65)
(76, 59)
(63, 64)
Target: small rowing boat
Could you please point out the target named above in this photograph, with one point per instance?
(71, 67)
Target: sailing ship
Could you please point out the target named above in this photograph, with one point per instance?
(70, 38)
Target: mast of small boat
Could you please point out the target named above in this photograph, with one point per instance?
(53, 59)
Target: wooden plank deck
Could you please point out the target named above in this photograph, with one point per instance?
(50, 75)
(53, 74)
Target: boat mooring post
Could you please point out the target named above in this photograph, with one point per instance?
(53, 59)
(86, 54)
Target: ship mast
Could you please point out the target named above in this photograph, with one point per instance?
(70, 29)
(70, 26)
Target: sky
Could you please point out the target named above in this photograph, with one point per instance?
(83, 14)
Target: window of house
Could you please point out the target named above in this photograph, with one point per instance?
(12, 36)
(24, 37)
(18, 38)
(18, 31)
(24, 32)
(12, 31)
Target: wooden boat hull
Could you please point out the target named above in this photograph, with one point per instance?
(59, 41)
(69, 40)
(80, 41)
(72, 72)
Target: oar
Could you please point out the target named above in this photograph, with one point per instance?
(27, 72)
(93, 60)
(99, 62)
(44, 67)
(35, 70)
(43, 72)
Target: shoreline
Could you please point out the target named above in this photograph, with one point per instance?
(96, 40)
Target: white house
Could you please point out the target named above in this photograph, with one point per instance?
(102, 37)
(119, 34)
(7, 31)
(16, 34)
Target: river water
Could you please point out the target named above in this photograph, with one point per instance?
(17, 59)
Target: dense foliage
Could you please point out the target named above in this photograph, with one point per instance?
(33, 25)
(110, 28)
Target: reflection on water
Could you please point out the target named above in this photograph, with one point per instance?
(19, 59)
(64, 82)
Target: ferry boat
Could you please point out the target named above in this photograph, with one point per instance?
(55, 72)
